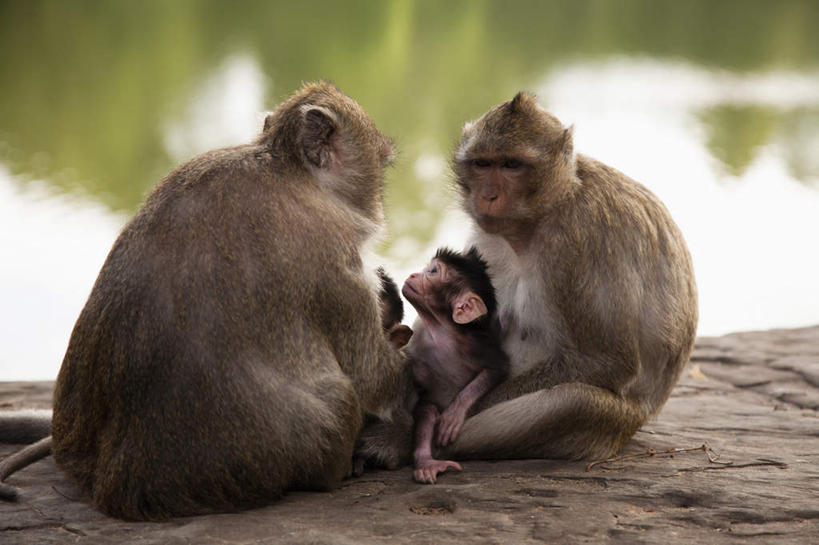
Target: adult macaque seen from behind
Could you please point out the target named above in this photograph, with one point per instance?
(27, 426)
(455, 353)
(233, 342)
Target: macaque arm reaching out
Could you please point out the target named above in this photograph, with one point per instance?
(452, 419)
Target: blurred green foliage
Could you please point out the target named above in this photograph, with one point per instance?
(734, 133)
(87, 86)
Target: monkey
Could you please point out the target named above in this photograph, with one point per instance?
(232, 342)
(455, 355)
(28, 426)
(597, 300)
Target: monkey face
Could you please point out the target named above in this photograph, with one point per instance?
(424, 289)
(507, 161)
(440, 293)
(496, 186)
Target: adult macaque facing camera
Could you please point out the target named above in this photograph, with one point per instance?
(455, 353)
(597, 303)
(232, 342)
(596, 294)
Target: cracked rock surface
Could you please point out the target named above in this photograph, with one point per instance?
(751, 397)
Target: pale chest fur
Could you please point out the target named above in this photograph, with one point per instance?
(527, 317)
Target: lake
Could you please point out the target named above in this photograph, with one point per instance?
(712, 105)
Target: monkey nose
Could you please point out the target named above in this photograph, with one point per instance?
(489, 192)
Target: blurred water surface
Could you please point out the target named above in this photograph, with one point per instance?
(712, 105)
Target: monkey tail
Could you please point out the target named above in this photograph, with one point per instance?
(24, 426)
(569, 421)
(19, 460)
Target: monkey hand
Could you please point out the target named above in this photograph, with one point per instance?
(426, 471)
(449, 424)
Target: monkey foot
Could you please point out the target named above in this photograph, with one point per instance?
(427, 471)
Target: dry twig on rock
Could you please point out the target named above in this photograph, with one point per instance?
(713, 457)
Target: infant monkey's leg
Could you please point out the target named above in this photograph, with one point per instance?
(427, 468)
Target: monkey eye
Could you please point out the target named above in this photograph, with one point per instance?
(512, 164)
(433, 269)
(481, 163)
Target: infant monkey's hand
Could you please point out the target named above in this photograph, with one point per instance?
(449, 424)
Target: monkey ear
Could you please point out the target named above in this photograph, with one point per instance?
(319, 126)
(268, 122)
(567, 142)
(517, 103)
(467, 307)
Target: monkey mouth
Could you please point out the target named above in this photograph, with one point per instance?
(490, 210)
(408, 291)
(483, 209)
(411, 294)
(488, 222)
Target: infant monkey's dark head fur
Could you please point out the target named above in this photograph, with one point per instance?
(454, 288)
(472, 275)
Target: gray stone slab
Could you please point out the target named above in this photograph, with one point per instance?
(751, 397)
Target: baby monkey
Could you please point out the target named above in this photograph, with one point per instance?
(455, 352)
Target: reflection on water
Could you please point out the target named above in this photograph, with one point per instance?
(751, 233)
(53, 247)
(226, 110)
(99, 103)
(751, 228)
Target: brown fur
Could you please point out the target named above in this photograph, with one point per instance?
(597, 301)
(615, 308)
(231, 344)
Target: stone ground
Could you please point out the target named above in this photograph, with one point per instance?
(751, 397)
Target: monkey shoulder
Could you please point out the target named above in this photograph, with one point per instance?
(233, 165)
(625, 251)
(610, 199)
(224, 185)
